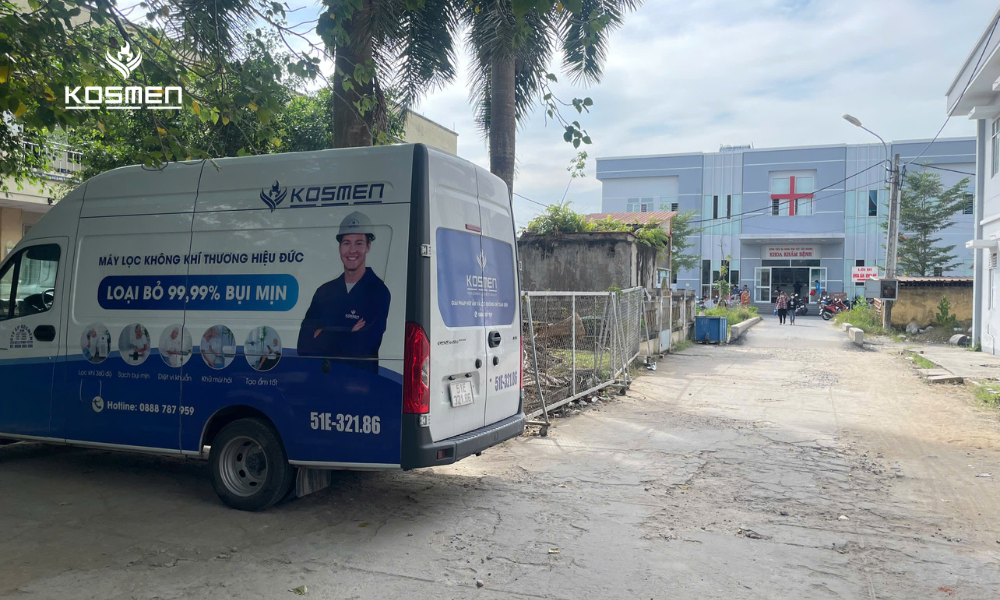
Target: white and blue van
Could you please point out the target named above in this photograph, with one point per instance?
(339, 309)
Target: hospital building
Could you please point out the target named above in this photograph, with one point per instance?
(786, 217)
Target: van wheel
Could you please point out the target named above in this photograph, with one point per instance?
(250, 469)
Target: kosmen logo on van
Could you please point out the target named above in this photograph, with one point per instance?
(325, 195)
(273, 197)
(481, 259)
(124, 61)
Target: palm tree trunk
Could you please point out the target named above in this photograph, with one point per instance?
(351, 128)
(503, 121)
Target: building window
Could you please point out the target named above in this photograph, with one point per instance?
(675, 206)
(706, 271)
(632, 205)
(715, 207)
(859, 263)
(792, 195)
(996, 147)
(729, 206)
(969, 204)
(872, 203)
(668, 204)
(938, 271)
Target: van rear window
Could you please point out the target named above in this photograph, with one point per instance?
(475, 279)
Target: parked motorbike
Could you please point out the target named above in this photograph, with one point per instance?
(802, 309)
(829, 307)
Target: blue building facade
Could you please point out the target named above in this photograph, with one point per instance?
(783, 218)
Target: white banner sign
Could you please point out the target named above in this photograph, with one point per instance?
(862, 274)
(797, 252)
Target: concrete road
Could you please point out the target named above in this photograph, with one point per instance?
(791, 465)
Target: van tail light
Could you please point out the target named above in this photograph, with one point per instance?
(416, 371)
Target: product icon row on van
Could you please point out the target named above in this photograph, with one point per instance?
(262, 347)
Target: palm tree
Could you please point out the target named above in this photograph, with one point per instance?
(512, 58)
(384, 44)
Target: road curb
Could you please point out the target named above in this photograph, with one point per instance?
(740, 328)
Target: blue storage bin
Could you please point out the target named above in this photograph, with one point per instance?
(710, 329)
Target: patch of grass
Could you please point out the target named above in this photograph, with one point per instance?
(863, 317)
(682, 345)
(988, 394)
(584, 358)
(922, 362)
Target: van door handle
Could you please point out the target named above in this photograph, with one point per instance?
(45, 333)
(494, 339)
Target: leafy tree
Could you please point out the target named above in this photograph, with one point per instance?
(195, 44)
(406, 44)
(682, 238)
(513, 43)
(926, 208)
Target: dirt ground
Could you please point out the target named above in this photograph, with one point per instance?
(789, 465)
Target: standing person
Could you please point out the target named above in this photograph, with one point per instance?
(745, 296)
(818, 290)
(782, 307)
(793, 304)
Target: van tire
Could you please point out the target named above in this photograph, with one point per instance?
(239, 478)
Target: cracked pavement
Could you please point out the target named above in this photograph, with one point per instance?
(790, 465)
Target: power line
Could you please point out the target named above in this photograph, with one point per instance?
(530, 200)
(951, 170)
(972, 76)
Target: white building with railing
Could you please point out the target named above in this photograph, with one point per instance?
(22, 207)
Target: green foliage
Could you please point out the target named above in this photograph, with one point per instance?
(733, 314)
(988, 394)
(862, 316)
(926, 208)
(944, 316)
(560, 218)
(226, 67)
(921, 362)
(682, 232)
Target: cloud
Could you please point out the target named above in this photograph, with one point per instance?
(687, 77)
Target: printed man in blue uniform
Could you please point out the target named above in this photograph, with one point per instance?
(347, 317)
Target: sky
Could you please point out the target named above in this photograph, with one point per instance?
(691, 75)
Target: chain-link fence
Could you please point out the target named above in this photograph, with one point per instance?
(577, 343)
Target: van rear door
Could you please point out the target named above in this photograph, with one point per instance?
(457, 336)
(501, 308)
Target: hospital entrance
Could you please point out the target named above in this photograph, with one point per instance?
(771, 280)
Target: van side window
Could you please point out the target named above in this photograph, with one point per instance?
(7, 286)
(27, 285)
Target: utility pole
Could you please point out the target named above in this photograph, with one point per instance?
(893, 238)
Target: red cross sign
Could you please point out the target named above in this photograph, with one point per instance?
(791, 196)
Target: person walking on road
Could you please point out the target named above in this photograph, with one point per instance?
(793, 304)
(782, 306)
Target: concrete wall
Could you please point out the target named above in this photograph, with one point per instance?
(920, 304)
(12, 222)
(585, 262)
(421, 130)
